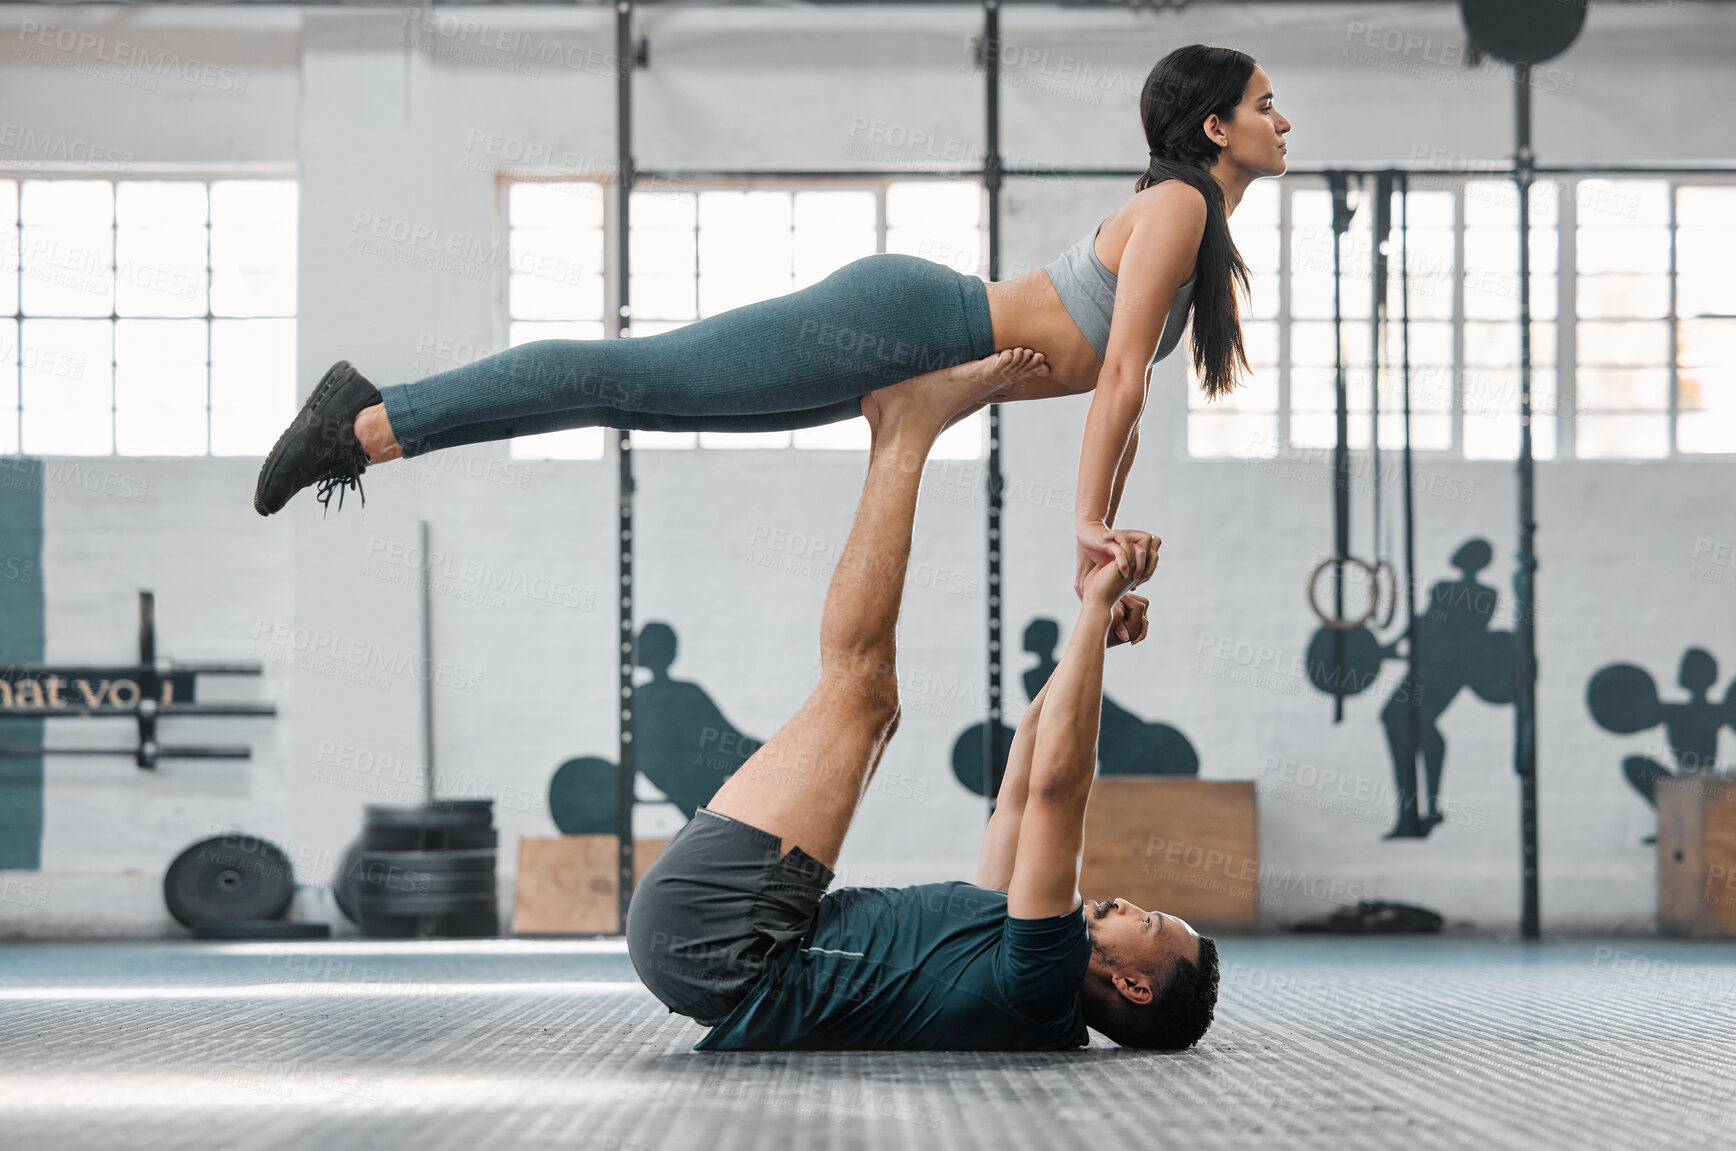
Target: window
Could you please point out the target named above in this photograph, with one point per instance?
(1622, 297)
(1652, 332)
(147, 317)
(1489, 383)
(1245, 422)
(696, 252)
(1705, 316)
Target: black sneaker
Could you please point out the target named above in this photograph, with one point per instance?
(320, 444)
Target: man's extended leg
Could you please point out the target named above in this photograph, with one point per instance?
(804, 784)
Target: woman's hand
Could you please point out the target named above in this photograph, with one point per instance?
(1098, 545)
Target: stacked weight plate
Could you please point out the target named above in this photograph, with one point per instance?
(423, 872)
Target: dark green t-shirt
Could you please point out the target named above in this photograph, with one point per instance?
(939, 965)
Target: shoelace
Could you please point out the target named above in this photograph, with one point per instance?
(338, 483)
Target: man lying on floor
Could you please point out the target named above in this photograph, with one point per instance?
(733, 927)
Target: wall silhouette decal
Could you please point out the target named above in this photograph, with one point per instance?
(1457, 649)
(1624, 699)
(1126, 744)
(685, 746)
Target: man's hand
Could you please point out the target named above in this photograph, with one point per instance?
(1127, 621)
(1098, 545)
(1113, 578)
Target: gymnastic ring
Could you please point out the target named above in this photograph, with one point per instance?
(1386, 616)
(1343, 624)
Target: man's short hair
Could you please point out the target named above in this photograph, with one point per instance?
(1180, 1009)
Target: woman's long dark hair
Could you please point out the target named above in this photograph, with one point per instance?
(1188, 85)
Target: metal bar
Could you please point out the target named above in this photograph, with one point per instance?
(165, 668)
(428, 679)
(1341, 448)
(149, 690)
(209, 751)
(626, 767)
(1013, 171)
(991, 176)
(1524, 586)
(1413, 704)
(1380, 225)
(144, 708)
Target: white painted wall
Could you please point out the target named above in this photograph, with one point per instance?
(372, 126)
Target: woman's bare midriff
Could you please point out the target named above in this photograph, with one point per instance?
(1026, 312)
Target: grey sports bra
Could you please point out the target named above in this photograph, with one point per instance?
(1087, 291)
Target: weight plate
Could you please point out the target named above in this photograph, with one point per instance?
(582, 796)
(346, 881)
(229, 877)
(481, 859)
(429, 839)
(377, 881)
(259, 929)
(387, 927)
(472, 926)
(482, 810)
(456, 903)
(432, 818)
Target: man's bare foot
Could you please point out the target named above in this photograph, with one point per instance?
(935, 401)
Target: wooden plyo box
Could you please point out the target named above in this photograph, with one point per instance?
(567, 886)
(1697, 856)
(1190, 847)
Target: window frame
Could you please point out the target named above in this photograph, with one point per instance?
(137, 173)
(819, 181)
(1566, 407)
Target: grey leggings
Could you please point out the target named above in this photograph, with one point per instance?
(795, 361)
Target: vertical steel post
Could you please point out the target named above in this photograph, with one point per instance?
(1524, 579)
(627, 767)
(428, 789)
(1413, 703)
(992, 181)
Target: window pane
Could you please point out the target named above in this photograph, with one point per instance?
(1624, 389)
(1623, 203)
(161, 268)
(939, 220)
(562, 204)
(1491, 419)
(252, 384)
(160, 381)
(1617, 343)
(831, 230)
(67, 247)
(253, 241)
(745, 248)
(1704, 285)
(523, 332)
(8, 385)
(8, 247)
(1708, 419)
(68, 398)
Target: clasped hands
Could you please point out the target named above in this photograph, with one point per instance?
(1111, 563)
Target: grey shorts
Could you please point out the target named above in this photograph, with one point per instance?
(719, 906)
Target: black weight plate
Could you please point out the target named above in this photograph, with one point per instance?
(229, 877)
(478, 860)
(481, 810)
(472, 926)
(382, 882)
(458, 903)
(432, 818)
(259, 929)
(429, 839)
(346, 880)
(388, 927)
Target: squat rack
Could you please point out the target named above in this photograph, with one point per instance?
(992, 171)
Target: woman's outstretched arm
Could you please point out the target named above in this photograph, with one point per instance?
(1158, 259)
